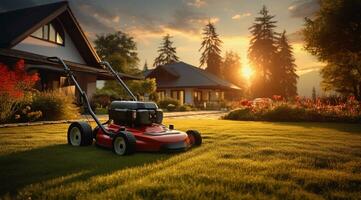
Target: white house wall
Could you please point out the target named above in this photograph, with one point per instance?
(67, 52)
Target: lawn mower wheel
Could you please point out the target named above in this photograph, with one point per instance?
(124, 143)
(80, 134)
(195, 137)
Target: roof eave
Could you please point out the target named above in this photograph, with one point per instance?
(54, 15)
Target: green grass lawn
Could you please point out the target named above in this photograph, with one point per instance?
(238, 160)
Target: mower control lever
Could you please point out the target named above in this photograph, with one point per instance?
(82, 93)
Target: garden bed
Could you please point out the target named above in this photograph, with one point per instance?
(300, 110)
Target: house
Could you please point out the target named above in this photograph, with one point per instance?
(47, 30)
(189, 84)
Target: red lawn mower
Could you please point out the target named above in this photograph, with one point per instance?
(132, 125)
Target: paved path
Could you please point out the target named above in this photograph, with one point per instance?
(181, 115)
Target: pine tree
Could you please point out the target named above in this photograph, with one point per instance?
(314, 95)
(145, 67)
(167, 53)
(285, 77)
(262, 52)
(211, 46)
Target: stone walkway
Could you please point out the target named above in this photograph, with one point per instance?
(181, 115)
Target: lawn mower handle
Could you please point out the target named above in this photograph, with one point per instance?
(83, 95)
(120, 81)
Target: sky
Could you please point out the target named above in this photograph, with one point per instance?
(149, 20)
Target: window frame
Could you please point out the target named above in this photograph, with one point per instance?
(58, 29)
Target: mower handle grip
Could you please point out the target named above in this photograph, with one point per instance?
(53, 59)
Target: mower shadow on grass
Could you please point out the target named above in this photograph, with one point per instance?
(37, 165)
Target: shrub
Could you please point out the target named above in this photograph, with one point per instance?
(55, 105)
(185, 107)
(285, 113)
(103, 97)
(165, 103)
(171, 107)
(101, 111)
(305, 111)
(14, 83)
(240, 114)
(24, 111)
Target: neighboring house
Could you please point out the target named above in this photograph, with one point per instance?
(47, 30)
(189, 84)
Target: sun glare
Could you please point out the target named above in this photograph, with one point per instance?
(247, 72)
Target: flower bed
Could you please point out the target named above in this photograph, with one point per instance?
(298, 110)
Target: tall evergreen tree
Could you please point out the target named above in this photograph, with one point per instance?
(284, 73)
(145, 67)
(167, 53)
(211, 46)
(262, 52)
(314, 95)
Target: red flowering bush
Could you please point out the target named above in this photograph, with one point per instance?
(14, 83)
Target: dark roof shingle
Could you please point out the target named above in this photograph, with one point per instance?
(18, 22)
(190, 76)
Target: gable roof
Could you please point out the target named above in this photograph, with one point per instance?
(188, 77)
(16, 25)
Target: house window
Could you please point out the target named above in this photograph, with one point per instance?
(51, 32)
(179, 95)
(197, 96)
(161, 95)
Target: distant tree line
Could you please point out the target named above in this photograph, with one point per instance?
(270, 54)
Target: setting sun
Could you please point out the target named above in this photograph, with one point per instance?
(247, 72)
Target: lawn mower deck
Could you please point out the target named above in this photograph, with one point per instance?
(132, 125)
(151, 138)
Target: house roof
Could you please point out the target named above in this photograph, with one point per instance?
(16, 25)
(187, 76)
(40, 62)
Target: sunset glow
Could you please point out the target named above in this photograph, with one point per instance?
(247, 72)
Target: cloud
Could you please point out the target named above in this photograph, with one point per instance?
(240, 16)
(296, 37)
(304, 8)
(197, 3)
(94, 17)
(184, 22)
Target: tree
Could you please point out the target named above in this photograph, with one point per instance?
(145, 67)
(314, 95)
(232, 68)
(262, 52)
(284, 74)
(333, 36)
(211, 46)
(167, 53)
(120, 50)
